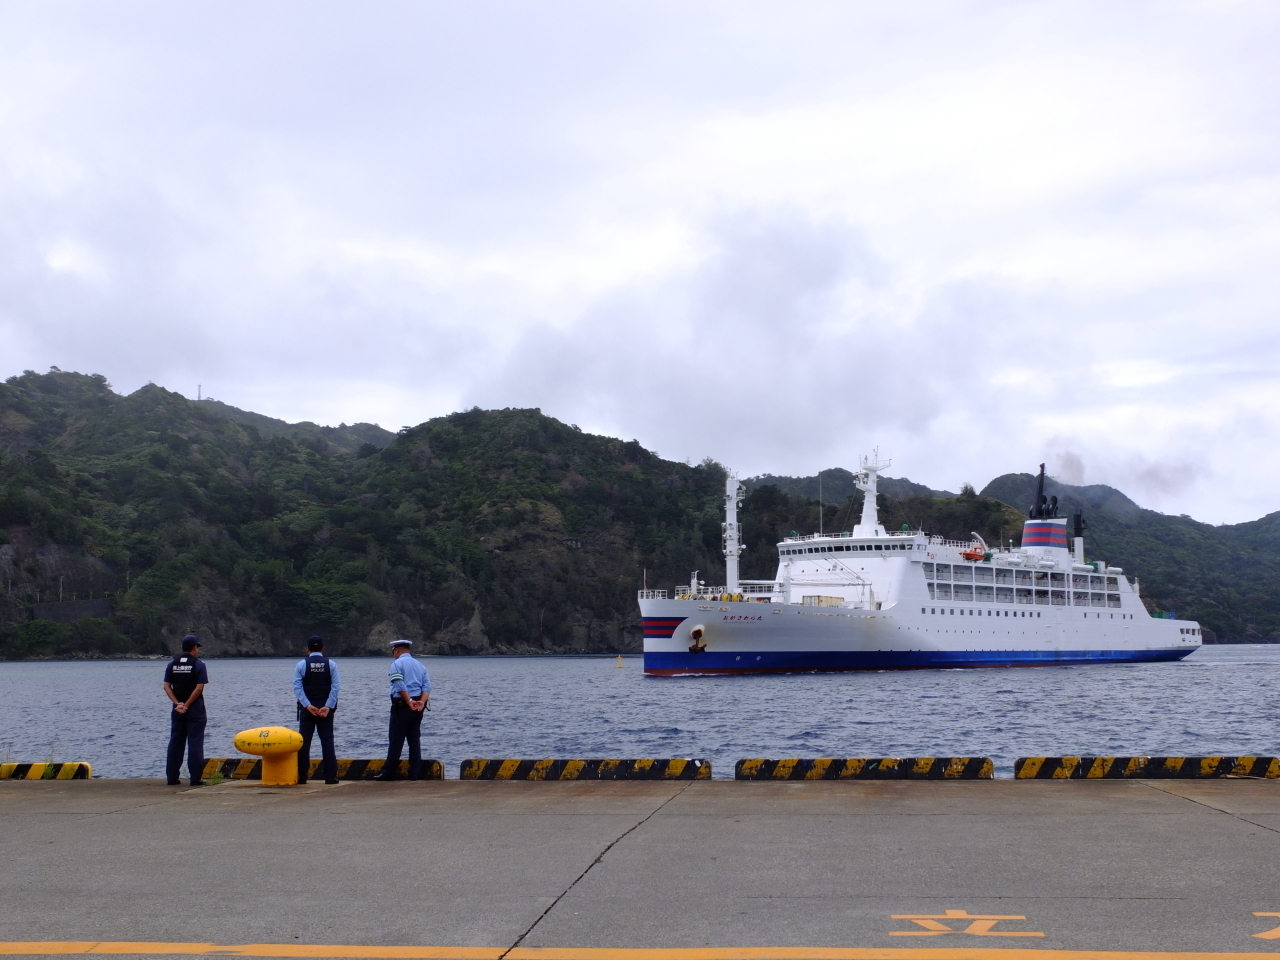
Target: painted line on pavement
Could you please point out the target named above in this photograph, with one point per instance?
(64, 947)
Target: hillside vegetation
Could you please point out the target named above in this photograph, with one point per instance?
(501, 531)
(351, 438)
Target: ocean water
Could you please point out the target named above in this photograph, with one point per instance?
(1221, 700)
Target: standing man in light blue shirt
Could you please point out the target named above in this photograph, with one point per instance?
(316, 686)
(410, 688)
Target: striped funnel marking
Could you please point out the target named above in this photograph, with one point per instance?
(661, 628)
(1045, 533)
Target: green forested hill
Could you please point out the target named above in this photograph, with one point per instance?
(349, 437)
(502, 531)
(481, 532)
(837, 485)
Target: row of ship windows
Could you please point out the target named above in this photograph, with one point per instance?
(1013, 613)
(962, 573)
(1049, 598)
(850, 548)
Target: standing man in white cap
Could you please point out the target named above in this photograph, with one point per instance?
(410, 691)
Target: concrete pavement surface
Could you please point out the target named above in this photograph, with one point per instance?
(676, 870)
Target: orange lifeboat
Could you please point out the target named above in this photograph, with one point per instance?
(977, 551)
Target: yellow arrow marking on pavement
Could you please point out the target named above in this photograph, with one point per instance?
(1268, 934)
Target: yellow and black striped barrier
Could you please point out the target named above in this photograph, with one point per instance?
(1144, 768)
(643, 769)
(821, 768)
(247, 768)
(1079, 768)
(867, 768)
(1194, 768)
(45, 771)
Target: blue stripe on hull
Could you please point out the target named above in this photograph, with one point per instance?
(672, 664)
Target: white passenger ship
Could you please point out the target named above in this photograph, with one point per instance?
(872, 599)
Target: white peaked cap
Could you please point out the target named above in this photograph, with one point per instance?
(401, 643)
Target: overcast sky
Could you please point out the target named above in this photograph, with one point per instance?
(977, 235)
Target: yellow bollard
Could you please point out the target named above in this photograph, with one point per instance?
(278, 747)
(619, 660)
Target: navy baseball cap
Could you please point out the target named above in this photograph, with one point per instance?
(315, 642)
(189, 642)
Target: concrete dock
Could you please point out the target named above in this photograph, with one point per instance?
(702, 870)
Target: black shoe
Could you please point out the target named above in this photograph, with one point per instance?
(175, 783)
(302, 783)
(331, 781)
(197, 783)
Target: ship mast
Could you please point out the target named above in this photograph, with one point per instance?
(733, 492)
(866, 482)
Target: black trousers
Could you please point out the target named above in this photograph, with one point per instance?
(186, 735)
(405, 725)
(307, 725)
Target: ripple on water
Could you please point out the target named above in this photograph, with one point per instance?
(1221, 701)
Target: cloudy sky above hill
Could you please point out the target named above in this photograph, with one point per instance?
(977, 235)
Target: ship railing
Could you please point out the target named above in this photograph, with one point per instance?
(651, 594)
(714, 593)
(748, 587)
(848, 534)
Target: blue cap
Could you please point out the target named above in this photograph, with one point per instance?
(315, 642)
(189, 641)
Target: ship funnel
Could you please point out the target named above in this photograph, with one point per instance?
(1046, 533)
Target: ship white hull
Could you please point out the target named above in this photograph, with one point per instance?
(752, 637)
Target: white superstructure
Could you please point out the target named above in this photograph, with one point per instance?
(875, 599)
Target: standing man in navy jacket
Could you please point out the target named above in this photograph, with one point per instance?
(316, 685)
(410, 688)
(184, 681)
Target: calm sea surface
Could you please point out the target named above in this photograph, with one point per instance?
(1222, 700)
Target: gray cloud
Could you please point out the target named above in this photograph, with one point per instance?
(979, 235)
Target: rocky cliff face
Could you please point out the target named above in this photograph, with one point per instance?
(31, 571)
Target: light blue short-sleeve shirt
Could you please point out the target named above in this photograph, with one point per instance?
(409, 676)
